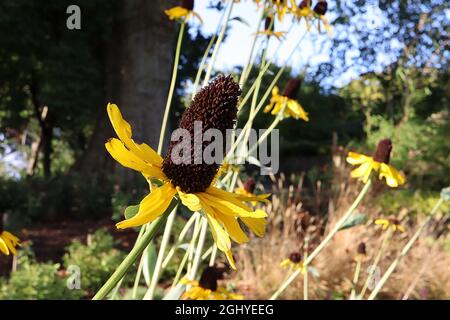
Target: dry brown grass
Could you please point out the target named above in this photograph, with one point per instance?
(423, 274)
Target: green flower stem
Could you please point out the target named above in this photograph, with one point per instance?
(249, 64)
(189, 250)
(198, 250)
(148, 235)
(266, 133)
(202, 66)
(387, 236)
(172, 88)
(181, 237)
(217, 45)
(327, 239)
(140, 266)
(305, 276)
(159, 260)
(356, 277)
(213, 255)
(404, 251)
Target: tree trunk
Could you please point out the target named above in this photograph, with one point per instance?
(139, 64)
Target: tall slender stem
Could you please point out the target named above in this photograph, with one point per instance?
(159, 260)
(118, 274)
(217, 46)
(404, 251)
(171, 88)
(356, 277)
(198, 250)
(327, 239)
(386, 238)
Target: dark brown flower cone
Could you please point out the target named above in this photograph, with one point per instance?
(304, 3)
(187, 4)
(361, 248)
(209, 277)
(292, 87)
(321, 8)
(383, 152)
(250, 185)
(295, 257)
(268, 24)
(215, 106)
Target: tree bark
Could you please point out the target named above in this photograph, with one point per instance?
(139, 63)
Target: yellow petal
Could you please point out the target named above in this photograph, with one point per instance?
(221, 238)
(190, 200)
(130, 160)
(363, 171)
(151, 207)
(233, 228)
(393, 177)
(124, 132)
(257, 225)
(356, 158)
(3, 247)
(176, 12)
(227, 207)
(296, 110)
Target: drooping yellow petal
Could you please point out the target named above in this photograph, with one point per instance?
(221, 238)
(285, 263)
(356, 158)
(363, 171)
(296, 111)
(257, 225)
(177, 12)
(130, 160)
(124, 132)
(151, 207)
(393, 177)
(233, 228)
(227, 207)
(190, 200)
(3, 247)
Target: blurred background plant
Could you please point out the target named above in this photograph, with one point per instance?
(386, 75)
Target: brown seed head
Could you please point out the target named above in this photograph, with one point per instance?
(215, 107)
(361, 248)
(295, 257)
(394, 221)
(321, 7)
(268, 24)
(187, 4)
(304, 3)
(209, 277)
(250, 185)
(383, 152)
(292, 88)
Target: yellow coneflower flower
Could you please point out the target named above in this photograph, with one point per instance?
(392, 222)
(379, 162)
(248, 190)
(184, 11)
(294, 262)
(8, 241)
(269, 29)
(319, 10)
(287, 102)
(304, 11)
(215, 106)
(207, 288)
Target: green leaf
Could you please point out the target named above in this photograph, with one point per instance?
(131, 211)
(353, 221)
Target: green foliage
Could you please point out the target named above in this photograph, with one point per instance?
(36, 281)
(97, 260)
(416, 202)
(60, 197)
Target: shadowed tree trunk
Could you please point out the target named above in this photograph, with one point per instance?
(139, 64)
